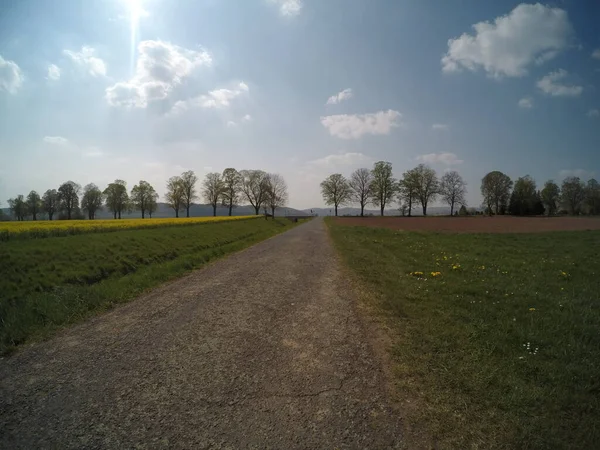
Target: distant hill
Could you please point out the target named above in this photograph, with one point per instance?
(393, 211)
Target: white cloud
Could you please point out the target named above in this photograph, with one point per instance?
(593, 113)
(160, 67)
(86, 60)
(340, 97)
(218, 98)
(346, 126)
(526, 103)
(288, 7)
(596, 54)
(449, 159)
(440, 127)
(511, 43)
(551, 86)
(581, 173)
(247, 118)
(341, 159)
(93, 152)
(11, 76)
(231, 124)
(53, 72)
(56, 140)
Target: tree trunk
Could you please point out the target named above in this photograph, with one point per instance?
(177, 213)
(409, 206)
(425, 209)
(257, 209)
(187, 209)
(273, 212)
(230, 206)
(452, 208)
(143, 214)
(114, 215)
(362, 210)
(50, 216)
(119, 215)
(335, 210)
(382, 208)
(214, 210)
(68, 214)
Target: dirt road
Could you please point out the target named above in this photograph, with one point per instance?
(264, 349)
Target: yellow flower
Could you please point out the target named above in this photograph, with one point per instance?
(436, 274)
(531, 309)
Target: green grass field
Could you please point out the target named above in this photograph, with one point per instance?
(497, 343)
(48, 283)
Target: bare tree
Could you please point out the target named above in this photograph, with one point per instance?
(142, 195)
(92, 200)
(277, 194)
(592, 197)
(117, 199)
(551, 197)
(231, 188)
(68, 196)
(175, 194)
(152, 205)
(18, 207)
(188, 184)
(426, 185)
(383, 184)
(573, 194)
(495, 189)
(212, 189)
(407, 190)
(335, 190)
(34, 204)
(50, 202)
(360, 184)
(453, 189)
(254, 187)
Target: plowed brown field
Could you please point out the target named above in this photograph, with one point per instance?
(479, 224)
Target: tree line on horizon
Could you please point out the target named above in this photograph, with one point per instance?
(259, 188)
(421, 186)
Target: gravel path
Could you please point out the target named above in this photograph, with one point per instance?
(264, 349)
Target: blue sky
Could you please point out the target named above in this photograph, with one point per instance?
(94, 90)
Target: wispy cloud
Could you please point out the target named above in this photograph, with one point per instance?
(86, 59)
(340, 97)
(288, 8)
(354, 126)
(56, 140)
(551, 85)
(449, 159)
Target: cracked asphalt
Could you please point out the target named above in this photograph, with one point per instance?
(263, 349)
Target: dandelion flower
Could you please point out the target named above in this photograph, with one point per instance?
(531, 309)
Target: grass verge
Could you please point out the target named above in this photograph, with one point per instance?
(49, 283)
(495, 336)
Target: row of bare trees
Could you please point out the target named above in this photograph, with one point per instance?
(261, 189)
(421, 186)
(574, 196)
(377, 186)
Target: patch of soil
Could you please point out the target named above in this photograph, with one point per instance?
(479, 224)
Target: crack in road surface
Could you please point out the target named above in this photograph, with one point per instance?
(263, 349)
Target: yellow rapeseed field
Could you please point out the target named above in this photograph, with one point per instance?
(43, 229)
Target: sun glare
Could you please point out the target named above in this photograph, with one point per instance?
(136, 11)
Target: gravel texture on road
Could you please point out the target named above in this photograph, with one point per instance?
(263, 349)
